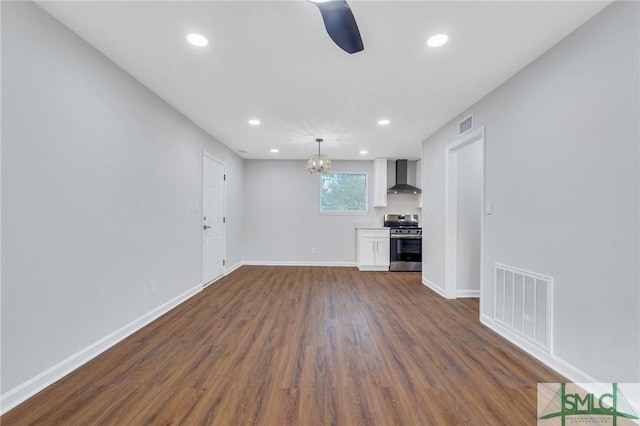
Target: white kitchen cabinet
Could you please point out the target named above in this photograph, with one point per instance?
(373, 249)
(380, 182)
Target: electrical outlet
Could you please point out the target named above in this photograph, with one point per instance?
(313, 250)
(153, 288)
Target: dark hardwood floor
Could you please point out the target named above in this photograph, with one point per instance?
(303, 346)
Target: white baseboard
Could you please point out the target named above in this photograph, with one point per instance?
(572, 373)
(232, 268)
(374, 268)
(433, 287)
(296, 263)
(569, 371)
(467, 293)
(27, 389)
(224, 274)
(207, 284)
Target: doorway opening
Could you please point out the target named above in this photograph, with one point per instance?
(464, 219)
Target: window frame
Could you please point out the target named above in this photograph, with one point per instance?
(346, 212)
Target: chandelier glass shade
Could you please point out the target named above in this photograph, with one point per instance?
(319, 164)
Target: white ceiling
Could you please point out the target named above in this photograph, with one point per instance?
(274, 61)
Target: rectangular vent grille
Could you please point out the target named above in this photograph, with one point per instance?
(465, 125)
(523, 304)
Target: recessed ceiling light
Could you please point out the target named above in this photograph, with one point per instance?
(437, 40)
(197, 40)
(275, 150)
(383, 122)
(254, 122)
(364, 152)
(319, 1)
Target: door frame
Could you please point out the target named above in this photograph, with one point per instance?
(451, 211)
(208, 156)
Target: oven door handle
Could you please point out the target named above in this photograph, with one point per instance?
(406, 237)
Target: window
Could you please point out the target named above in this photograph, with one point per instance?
(344, 193)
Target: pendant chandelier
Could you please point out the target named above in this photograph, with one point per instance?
(319, 164)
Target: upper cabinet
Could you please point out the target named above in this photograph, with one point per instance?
(419, 182)
(380, 182)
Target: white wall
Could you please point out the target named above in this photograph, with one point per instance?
(562, 173)
(283, 220)
(99, 181)
(469, 206)
(433, 210)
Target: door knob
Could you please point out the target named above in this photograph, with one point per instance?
(206, 227)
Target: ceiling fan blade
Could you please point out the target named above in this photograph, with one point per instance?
(341, 25)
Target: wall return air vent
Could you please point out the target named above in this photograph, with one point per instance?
(522, 304)
(465, 125)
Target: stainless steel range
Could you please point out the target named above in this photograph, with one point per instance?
(406, 242)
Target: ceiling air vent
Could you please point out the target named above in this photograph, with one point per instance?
(465, 125)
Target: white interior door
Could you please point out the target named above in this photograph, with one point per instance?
(213, 218)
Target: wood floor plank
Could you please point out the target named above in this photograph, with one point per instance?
(303, 346)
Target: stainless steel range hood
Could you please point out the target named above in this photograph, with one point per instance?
(401, 186)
